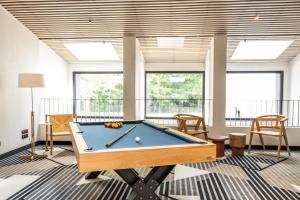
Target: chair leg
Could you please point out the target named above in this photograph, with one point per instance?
(279, 147)
(262, 142)
(286, 143)
(51, 144)
(250, 143)
(205, 136)
(46, 145)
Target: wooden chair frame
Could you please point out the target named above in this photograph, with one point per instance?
(183, 126)
(63, 130)
(273, 122)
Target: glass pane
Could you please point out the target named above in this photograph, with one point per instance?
(99, 94)
(170, 93)
(251, 94)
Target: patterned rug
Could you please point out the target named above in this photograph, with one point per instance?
(258, 176)
(253, 161)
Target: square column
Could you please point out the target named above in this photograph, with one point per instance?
(215, 73)
(133, 78)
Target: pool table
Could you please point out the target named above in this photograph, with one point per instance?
(160, 148)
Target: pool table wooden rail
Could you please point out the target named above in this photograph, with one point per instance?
(125, 158)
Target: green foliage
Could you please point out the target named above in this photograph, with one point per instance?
(174, 91)
(174, 86)
(166, 92)
(106, 92)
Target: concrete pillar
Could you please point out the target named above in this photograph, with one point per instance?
(216, 80)
(133, 78)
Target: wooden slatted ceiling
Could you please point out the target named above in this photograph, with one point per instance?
(58, 21)
(113, 18)
(194, 50)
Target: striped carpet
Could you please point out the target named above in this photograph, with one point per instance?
(258, 176)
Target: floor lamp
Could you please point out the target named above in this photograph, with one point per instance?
(31, 81)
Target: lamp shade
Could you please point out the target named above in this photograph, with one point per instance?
(28, 80)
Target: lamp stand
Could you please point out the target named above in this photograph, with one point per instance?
(33, 154)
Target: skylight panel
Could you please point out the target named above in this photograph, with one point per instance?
(260, 49)
(92, 51)
(170, 42)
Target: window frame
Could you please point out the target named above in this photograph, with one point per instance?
(171, 72)
(281, 85)
(74, 73)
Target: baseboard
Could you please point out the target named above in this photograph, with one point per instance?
(18, 150)
(15, 151)
(268, 147)
(57, 142)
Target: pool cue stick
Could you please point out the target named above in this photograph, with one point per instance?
(119, 137)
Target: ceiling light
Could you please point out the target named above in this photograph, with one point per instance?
(260, 49)
(256, 17)
(93, 51)
(170, 42)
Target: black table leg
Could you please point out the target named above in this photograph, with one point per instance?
(144, 188)
(92, 175)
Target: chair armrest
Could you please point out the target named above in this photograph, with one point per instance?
(183, 119)
(284, 119)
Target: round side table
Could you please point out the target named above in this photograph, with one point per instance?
(237, 143)
(220, 144)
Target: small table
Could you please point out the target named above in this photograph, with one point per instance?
(220, 144)
(237, 143)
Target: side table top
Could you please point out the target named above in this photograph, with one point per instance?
(218, 138)
(238, 134)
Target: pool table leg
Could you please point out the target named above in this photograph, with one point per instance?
(92, 175)
(144, 188)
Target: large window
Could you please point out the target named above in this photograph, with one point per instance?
(250, 94)
(98, 94)
(173, 92)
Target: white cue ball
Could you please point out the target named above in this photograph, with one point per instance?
(137, 139)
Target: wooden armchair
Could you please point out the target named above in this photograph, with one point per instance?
(269, 125)
(191, 124)
(57, 125)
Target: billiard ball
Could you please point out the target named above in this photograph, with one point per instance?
(137, 139)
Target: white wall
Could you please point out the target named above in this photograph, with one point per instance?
(174, 67)
(95, 67)
(22, 52)
(54, 68)
(294, 78)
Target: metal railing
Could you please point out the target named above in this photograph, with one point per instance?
(239, 113)
(86, 110)
(163, 110)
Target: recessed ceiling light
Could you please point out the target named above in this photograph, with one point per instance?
(93, 51)
(260, 49)
(170, 42)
